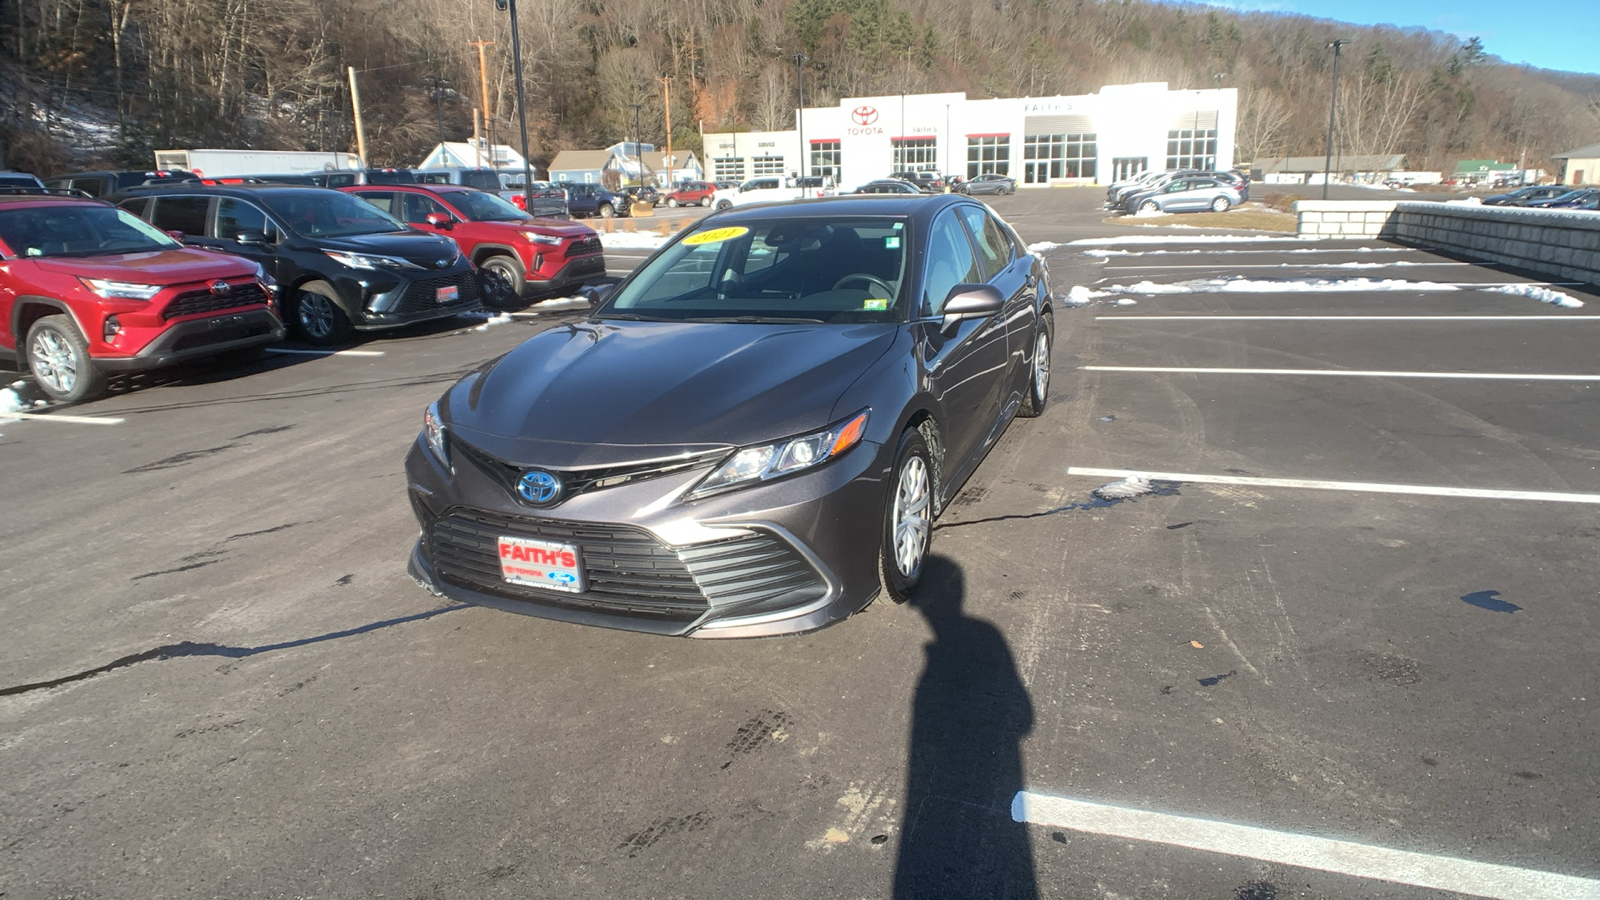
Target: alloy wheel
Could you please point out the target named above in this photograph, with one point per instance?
(911, 519)
(316, 316)
(1041, 365)
(53, 362)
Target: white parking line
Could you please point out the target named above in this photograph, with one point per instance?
(1408, 264)
(326, 352)
(1305, 851)
(1347, 373)
(1347, 318)
(1360, 487)
(53, 417)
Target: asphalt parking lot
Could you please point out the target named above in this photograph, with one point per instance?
(1355, 604)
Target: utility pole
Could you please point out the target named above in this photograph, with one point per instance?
(666, 89)
(483, 87)
(800, 110)
(638, 153)
(477, 134)
(355, 106)
(438, 103)
(1333, 106)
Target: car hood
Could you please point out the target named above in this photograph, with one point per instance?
(419, 247)
(605, 392)
(176, 266)
(513, 229)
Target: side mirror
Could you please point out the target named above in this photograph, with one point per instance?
(175, 235)
(440, 220)
(970, 301)
(251, 237)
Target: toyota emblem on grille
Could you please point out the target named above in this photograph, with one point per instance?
(539, 487)
(441, 263)
(221, 288)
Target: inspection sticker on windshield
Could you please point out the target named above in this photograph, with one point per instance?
(449, 294)
(875, 305)
(716, 235)
(892, 242)
(542, 564)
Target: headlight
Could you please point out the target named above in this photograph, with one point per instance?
(121, 290)
(371, 261)
(269, 283)
(433, 433)
(775, 460)
(538, 238)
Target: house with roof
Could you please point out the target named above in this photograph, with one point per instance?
(1475, 171)
(473, 155)
(685, 167)
(1580, 166)
(622, 160)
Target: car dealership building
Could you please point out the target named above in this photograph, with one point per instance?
(1040, 141)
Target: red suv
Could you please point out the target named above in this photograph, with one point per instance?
(692, 193)
(517, 256)
(88, 290)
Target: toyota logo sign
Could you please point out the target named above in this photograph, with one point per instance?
(864, 115)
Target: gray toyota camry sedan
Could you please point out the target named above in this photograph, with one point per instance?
(751, 435)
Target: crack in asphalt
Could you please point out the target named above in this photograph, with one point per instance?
(192, 648)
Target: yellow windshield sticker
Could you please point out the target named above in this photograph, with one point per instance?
(716, 235)
(875, 305)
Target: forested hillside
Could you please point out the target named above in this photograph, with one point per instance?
(105, 81)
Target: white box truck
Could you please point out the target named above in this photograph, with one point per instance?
(231, 163)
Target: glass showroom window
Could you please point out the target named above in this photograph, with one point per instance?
(989, 154)
(768, 165)
(1192, 149)
(728, 169)
(916, 154)
(826, 159)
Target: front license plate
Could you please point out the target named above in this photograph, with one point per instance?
(542, 564)
(449, 294)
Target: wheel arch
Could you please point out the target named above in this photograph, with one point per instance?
(29, 309)
(483, 252)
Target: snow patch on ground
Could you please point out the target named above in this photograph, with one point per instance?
(1127, 488)
(1239, 284)
(11, 403)
(561, 303)
(1148, 213)
(1162, 239)
(632, 240)
(1469, 201)
(1542, 294)
(1081, 296)
(1042, 246)
(20, 397)
(501, 319)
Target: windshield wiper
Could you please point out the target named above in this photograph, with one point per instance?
(755, 320)
(630, 317)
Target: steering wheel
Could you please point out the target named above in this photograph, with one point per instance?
(871, 280)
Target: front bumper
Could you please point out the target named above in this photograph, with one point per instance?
(200, 337)
(390, 299)
(786, 557)
(576, 271)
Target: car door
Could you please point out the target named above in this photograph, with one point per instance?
(1012, 273)
(187, 215)
(235, 218)
(964, 368)
(418, 207)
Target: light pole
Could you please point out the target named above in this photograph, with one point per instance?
(1333, 106)
(522, 105)
(438, 102)
(800, 110)
(638, 153)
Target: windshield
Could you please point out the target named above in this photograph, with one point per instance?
(478, 206)
(78, 231)
(773, 270)
(329, 214)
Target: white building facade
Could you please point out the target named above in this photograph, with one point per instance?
(1040, 141)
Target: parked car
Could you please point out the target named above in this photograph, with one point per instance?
(1582, 198)
(20, 181)
(345, 178)
(774, 187)
(1158, 181)
(584, 199)
(888, 186)
(482, 179)
(100, 184)
(1527, 196)
(548, 201)
(343, 264)
(88, 291)
(820, 381)
(931, 182)
(988, 183)
(517, 256)
(641, 193)
(693, 193)
(1187, 194)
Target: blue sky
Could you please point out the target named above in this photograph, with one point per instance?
(1553, 34)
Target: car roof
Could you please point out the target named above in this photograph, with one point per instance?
(417, 188)
(23, 200)
(224, 190)
(915, 206)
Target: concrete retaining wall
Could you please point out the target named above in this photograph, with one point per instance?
(1561, 244)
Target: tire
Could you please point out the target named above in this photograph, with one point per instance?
(1221, 204)
(908, 511)
(58, 357)
(317, 316)
(1149, 206)
(1039, 378)
(724, 204)
(672, 203)
(500, 282)
(607, 211)
(1006, 190)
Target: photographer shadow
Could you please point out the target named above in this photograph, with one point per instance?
(969, 717)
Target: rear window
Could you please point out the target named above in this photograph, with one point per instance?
(483, 180)
(185, 214)
(397, 176)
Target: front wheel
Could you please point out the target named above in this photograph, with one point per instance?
(672, 203)
(907, 518)
(724, 204)
(607, 211)
(500, 282)
(58, 357)
(1039, 378)
(1221, 204)
(317, 315)
(1149, 206)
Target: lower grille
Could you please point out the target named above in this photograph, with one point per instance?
(192, 303)
(231, 332)
(630, 572)
(423, 294)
